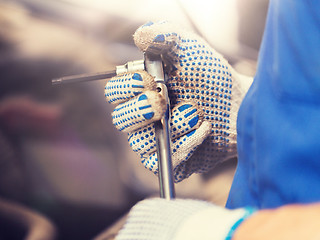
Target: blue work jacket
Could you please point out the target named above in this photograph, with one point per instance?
(279, 119)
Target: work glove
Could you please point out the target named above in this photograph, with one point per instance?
(205, 95)
(186, 219)
(181, 219)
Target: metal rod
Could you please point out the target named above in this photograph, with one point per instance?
(84, 77)
(154, 67)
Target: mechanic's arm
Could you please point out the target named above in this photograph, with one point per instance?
(205, 93)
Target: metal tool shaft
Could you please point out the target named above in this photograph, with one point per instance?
(84, 77)
(128, 67)
(154, 67)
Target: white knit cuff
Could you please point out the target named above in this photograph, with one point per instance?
(212, 223)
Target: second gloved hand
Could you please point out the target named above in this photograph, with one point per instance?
(181, 219)
(204, 94)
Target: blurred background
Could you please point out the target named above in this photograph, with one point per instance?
(60, 156)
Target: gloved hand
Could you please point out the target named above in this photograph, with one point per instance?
(156, 219)
(205, 96)
(186, 219)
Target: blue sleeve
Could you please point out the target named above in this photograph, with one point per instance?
(279, 119)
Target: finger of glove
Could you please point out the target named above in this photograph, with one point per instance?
(156, 38)
(125, 86)
(139, 111)
(182, 149)
(185, 117)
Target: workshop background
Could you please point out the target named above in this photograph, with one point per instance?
(60, 156)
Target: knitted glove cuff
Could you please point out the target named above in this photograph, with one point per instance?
(212, 223)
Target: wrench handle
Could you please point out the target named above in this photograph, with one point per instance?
(154, 66)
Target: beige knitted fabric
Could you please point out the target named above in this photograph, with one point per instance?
(205, 95)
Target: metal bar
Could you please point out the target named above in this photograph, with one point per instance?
(154, 67)
(84, 77)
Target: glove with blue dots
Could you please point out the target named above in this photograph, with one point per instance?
(204, 95)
